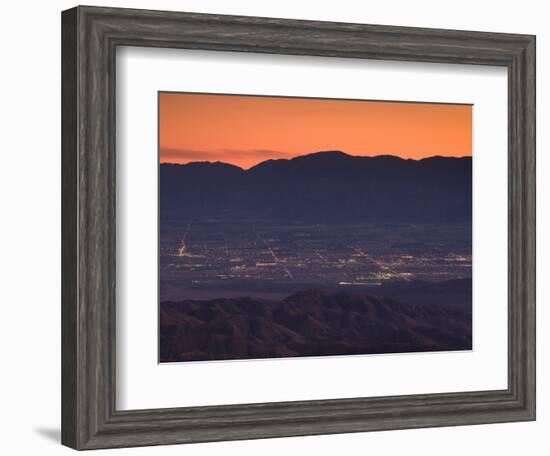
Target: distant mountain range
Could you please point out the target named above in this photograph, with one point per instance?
(308, 323)
(322, 187)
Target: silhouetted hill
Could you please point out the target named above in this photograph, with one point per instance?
(322, 187)
(308, 323)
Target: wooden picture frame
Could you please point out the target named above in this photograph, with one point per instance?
(90, 36)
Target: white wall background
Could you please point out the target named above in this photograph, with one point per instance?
(30, 226)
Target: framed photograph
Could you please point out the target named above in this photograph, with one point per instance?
(280, 228)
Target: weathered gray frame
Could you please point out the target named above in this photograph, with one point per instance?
(90, 36)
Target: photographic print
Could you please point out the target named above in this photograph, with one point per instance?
(294, 226)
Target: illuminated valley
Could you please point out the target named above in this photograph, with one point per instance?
(275, 258)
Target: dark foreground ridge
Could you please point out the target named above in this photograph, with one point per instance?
(307, 323)
(322, 187)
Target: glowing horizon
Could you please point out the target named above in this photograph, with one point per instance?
(246, 130)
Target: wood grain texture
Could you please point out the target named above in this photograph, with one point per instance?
(89, 39)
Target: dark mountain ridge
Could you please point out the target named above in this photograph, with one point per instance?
(322, 187)
(308, 323)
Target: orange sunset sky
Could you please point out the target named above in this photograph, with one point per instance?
(246, 130)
